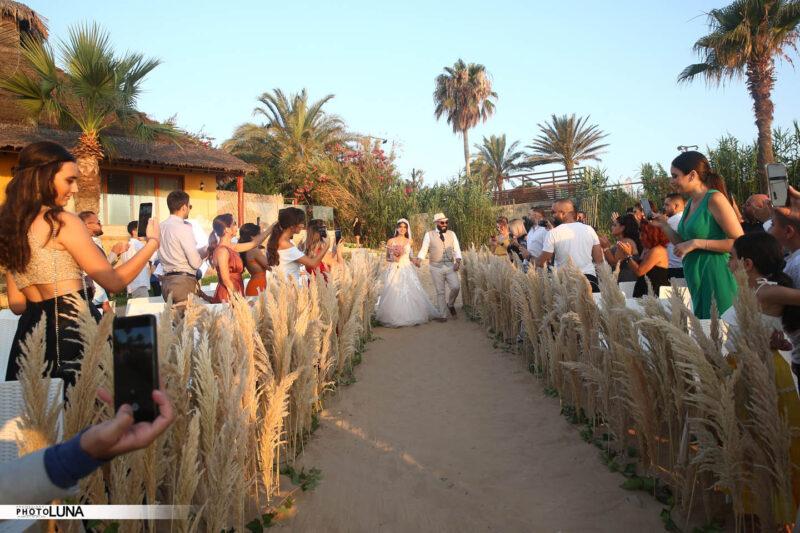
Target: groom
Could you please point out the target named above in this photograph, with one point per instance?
(445, 261)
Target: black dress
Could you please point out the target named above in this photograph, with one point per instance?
(70, 350)
(658, 276)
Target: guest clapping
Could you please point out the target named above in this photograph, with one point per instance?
(654, 263)
(625, 229)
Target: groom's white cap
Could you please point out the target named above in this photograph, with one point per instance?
(439, 216)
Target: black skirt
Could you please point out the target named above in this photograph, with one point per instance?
(69, 341)
(658, 276)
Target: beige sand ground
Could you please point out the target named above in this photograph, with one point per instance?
(444, 433)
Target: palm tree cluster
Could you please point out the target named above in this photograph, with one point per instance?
(564, 140)
(97, 90)
(464, 96)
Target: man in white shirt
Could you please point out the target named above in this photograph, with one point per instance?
(571, 240)
(140, 286)
(536, 235)
(444, 264)
(787, 232)
(673, 208)
(178, 253)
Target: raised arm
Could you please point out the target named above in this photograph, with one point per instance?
(256, 242)
(76, 240)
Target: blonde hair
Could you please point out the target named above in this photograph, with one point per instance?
(516, 227)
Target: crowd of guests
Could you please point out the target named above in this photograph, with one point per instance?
(695, 234)
(54, 259)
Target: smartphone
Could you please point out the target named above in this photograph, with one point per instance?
(338, 233)
(136, 365)
(145, 214)
(646, 208)
(258, 221)
(778, 184)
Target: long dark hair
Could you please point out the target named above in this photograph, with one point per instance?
(287, 217)
(246, 234)
(688, 161)
(30, 188)
(218, 225)
(630, 229)
(767, 256)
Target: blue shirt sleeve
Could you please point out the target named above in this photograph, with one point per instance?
(66, 463)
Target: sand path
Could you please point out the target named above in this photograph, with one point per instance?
(442, 432)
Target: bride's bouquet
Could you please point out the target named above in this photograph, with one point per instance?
(394, 251)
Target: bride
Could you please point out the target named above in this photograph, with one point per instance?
(403, 301)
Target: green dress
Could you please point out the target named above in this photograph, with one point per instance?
(707, 274)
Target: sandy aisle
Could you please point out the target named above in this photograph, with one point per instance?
(444, 433)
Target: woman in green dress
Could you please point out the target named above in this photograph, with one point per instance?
(705, 235)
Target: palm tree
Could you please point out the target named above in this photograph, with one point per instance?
(498, 161)
(463, 94)
(745, 38)
(95, 91)
(567, 140)
(296, 133)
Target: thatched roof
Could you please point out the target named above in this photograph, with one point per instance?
(187, 155)
(16, 20)
(27, 20)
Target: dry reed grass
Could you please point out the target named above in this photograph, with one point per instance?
(245, 379)
(706, 425)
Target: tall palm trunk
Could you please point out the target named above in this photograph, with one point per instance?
(760, 80)
(466, 152)
(88, 153)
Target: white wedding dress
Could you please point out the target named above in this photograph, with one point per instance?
(403, 301)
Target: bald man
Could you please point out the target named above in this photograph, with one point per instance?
(757, 211)
(571, 240)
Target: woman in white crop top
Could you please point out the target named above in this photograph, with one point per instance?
(45, 251)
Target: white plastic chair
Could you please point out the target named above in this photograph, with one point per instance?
(11, 407)
(666, 292)
(627, 288)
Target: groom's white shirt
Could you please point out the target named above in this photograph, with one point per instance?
(426, 243)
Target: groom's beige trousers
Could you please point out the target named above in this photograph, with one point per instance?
(444, 275)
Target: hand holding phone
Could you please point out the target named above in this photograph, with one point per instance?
(145, 214)
(647, 209)
(136, 365)
(778, 179)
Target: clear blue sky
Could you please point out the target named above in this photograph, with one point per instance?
(617, 61)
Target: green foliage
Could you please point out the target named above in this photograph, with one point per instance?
(737, 162)
(655, 182)
(598, 200)
(305, 480)
(267, 520)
